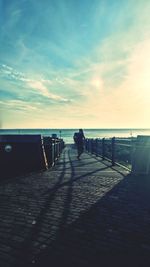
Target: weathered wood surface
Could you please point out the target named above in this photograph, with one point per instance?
(79, 213)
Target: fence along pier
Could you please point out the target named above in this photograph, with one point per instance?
(130, 153)
(108, 148)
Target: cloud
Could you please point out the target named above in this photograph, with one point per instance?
(38, 85)
(7, 71)
(17, 105)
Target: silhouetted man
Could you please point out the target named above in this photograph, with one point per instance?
(79, 141)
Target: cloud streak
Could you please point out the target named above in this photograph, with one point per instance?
(38, 85)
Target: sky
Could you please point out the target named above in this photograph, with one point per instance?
(74, 64)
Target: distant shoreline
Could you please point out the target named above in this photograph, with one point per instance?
(67, 134)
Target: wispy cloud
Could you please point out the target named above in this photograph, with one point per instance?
(38, 85)
(17, 105)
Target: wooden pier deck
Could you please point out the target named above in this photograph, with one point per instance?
(79, 213)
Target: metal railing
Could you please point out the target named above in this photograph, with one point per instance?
(53, 148)
(117, 150)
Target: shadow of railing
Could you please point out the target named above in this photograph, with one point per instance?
(109, 222)
(115, 228)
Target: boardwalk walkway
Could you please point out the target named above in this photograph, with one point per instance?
(79, 213)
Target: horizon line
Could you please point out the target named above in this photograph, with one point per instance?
(115, 128)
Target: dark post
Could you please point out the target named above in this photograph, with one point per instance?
(96, 147)
(103, 148)
(113, 151)
(92, 142)
(88, 145)
(57, 149)
(91, 146)
(54, 151)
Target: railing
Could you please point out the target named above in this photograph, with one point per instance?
(116, 150)
(52, 148)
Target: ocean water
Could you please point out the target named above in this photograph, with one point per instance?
(67, 134)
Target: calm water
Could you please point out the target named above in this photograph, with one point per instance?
(67, 134)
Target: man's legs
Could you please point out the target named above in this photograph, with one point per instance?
(80, 151)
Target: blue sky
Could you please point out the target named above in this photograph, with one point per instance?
(73, 63)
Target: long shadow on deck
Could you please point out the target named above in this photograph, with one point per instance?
(115, 230)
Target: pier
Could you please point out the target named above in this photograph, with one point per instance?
(77, 213)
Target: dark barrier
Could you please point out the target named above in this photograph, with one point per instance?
(141, 155)
(21, 154)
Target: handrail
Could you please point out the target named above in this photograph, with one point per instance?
(107, 148)
(53, 148)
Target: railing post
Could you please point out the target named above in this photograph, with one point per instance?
(59, 147)
(86, 144)
(54, 151)
(92, 142)
(113, 151)
(96, 147)
(103, 148)
(87, 147)
(90, 146)
(57, 143)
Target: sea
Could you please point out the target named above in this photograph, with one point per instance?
(67, 134)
